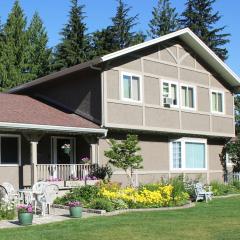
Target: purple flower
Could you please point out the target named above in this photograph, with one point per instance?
(74, 204)
(25, 208)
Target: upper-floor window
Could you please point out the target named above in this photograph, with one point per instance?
(217, 100)
(188, 154)
(188, 97)
(170, 93)
(131, 87)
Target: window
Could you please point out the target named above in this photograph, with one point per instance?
(9, 149)
(188, 97)
(131, 87)
(188, 154)
(217, 102)
(170, 90)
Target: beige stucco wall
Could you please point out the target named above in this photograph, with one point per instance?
(10, 174)
(156, 160)
(168, 61)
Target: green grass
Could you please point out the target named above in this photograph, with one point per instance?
(219, 219)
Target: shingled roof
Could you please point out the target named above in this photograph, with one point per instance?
(20, 111)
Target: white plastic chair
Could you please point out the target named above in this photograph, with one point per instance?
(38, 191)
(12, 194)
(201, 193)
(51, 192)
(3, 194)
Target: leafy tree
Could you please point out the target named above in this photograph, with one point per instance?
(119, 34)
(164, 21)
(232, 148)
(74, 47)
(38, 53)
(200, 18)
(124, 155)
(13, 58)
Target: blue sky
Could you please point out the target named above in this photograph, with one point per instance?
(54, 14)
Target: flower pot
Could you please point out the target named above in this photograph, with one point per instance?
(25, 218)
(75, 212)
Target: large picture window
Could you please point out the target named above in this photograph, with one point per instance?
(131, 87)
(188, 154)
(9, 149)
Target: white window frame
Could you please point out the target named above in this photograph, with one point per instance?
(140, 87)
(183, 153)
(19, 150)
(54, 149)
(194, 97)
(177, 89)
(223, 101)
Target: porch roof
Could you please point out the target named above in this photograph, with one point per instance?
(24, 112)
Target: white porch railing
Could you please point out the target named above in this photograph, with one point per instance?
(232, 176)
(63, 171)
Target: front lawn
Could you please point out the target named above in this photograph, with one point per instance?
(219, 219)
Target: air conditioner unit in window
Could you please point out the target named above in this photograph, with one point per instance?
(168, 101)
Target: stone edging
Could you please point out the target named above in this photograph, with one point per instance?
(116, 212)
(228, 195)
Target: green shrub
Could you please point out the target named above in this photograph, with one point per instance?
(83, 194)
(219, 189)
(103, 204)
(7, 211)
(119, 204)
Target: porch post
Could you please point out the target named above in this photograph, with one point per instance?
(93, 153)
(34, 161)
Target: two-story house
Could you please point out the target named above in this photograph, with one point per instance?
(173, 92)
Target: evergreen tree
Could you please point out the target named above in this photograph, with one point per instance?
(74, 47)
(13, 64)
(38, 53)
(119, 34)
(164, 19)
(122, 27)
(200, 18)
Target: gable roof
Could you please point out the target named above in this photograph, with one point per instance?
(24, 112)
(186, 35)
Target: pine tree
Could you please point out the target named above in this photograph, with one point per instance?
(119, 34)
(38, 53)
(13, 64)
(200, 18)
(164, 21)
(74, 47)
(122, 28)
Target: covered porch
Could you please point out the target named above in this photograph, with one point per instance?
(41, 143)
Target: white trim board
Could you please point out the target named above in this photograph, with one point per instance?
(52, 128)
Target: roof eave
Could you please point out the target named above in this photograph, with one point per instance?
(56, 75)
(52, 128)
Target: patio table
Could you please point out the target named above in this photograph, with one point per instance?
(26, 195)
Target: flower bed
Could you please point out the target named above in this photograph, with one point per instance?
(112, 196)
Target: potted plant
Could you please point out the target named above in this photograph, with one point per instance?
(25, 214)
(66, 148)
(75, 209)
